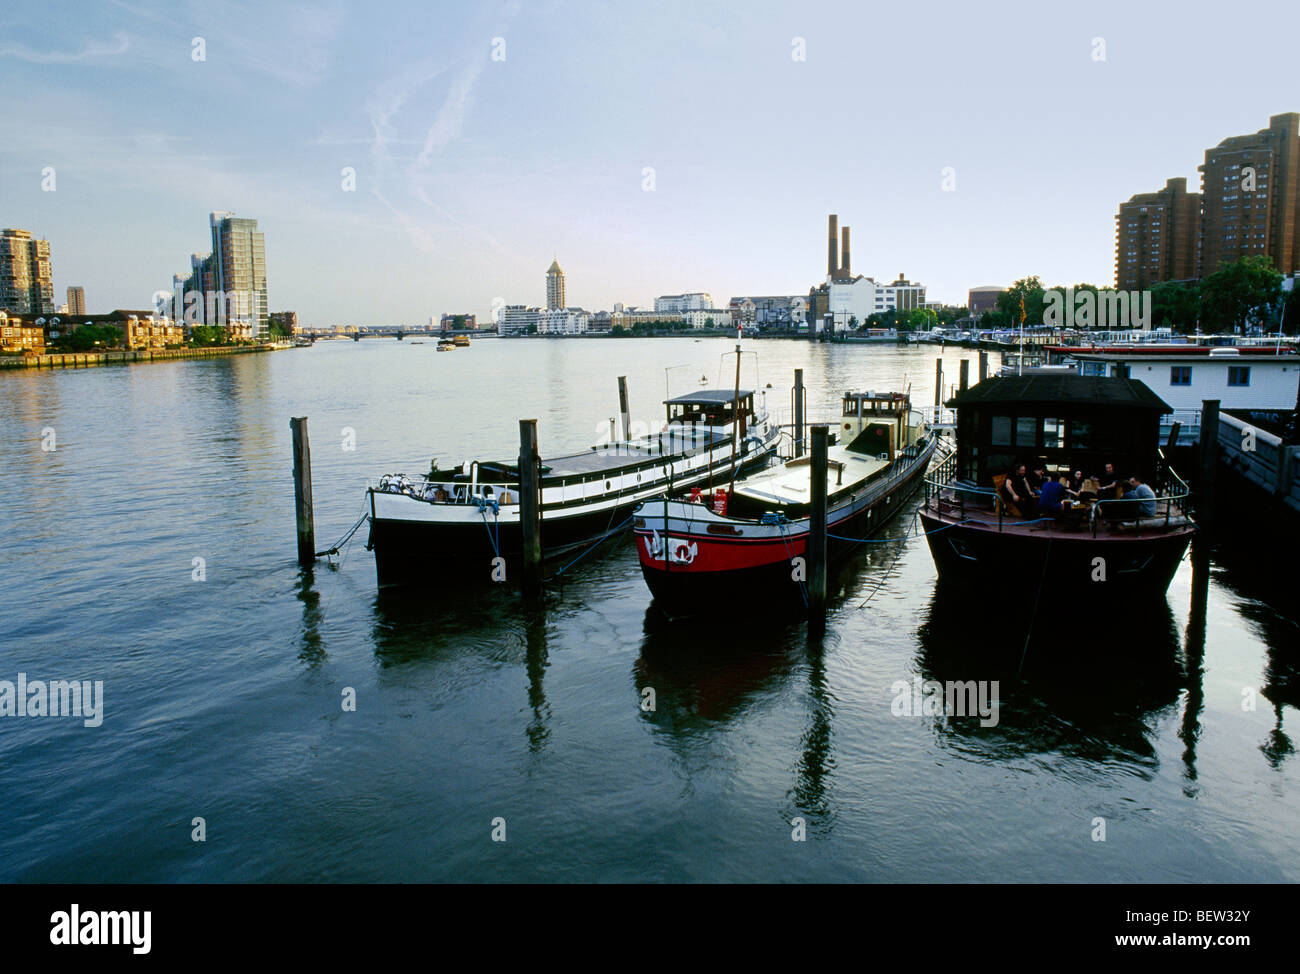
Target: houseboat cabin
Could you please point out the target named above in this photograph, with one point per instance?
(1061, 422)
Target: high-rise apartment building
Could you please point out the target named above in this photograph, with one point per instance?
(1251, 190)
(26, 280)
(555, 286)
(239, 264)
(1157, 237)
(76, 300)
(231, 280)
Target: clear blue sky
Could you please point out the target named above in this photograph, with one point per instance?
(473, 173)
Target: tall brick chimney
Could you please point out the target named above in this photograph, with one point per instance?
(832, 258)
(844, 252)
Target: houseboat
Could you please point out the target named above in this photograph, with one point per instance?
(1100, 545)
(454, 523)
(747, 541)
(461, 341)
(1240, 376)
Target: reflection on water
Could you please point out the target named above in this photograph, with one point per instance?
(711, 672)
(1265, 599)
(312, 650)
(473, 703)
(1068, 681)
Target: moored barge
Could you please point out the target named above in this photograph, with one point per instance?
(750, 543)
(1105, 542)
(454, 524)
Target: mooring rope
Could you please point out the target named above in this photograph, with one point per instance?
(337, 546)
(597, 543)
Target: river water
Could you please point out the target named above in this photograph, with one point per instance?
(224, 680)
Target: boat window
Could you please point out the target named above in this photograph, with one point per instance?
(1239, 375)
(1026, 430)
(1053, 434)
(1180, 375)
(1001, 431)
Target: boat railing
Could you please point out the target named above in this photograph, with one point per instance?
(448, 492)
(963, 499)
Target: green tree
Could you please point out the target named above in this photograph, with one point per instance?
(203, 336)
(1031, 290)
(87, 338)
(948, 314)
(1240, 295)
(1176, 305)
(884, 319)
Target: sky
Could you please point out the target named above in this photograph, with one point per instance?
(652, 148)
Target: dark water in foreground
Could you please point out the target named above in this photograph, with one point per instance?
(222, 697)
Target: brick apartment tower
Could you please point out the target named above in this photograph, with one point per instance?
(1157, 237)
(76, 300)
(1251, 190)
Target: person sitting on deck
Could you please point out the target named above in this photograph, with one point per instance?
(1110, 484)
(1050, 497)
(1025, 488)
(1007, 493)
(1143, 497)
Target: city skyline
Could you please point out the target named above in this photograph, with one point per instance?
(463, 184)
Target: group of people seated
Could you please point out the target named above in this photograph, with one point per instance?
(1034, 493)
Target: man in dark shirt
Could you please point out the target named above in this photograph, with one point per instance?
(1025, 491)
(1050, 497)
(1110, 482)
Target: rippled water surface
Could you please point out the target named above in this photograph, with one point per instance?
(223, 696)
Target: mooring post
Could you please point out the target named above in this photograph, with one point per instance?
(302, 492)
(1172, 442)
(530, 507)
(1209, 450)
(622, 405)
(817, 527)
(964, 381)
(938, 384)
(984, 364)
(798, 412)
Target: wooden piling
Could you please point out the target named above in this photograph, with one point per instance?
(530, 507)
(798, 412)
(964, 380)
(622, 405)
(302, 492)
(1209, 452)
(984, 364)
(1172, 442)
(817, 526)
(938, 383)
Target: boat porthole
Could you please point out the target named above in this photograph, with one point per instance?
(607, 485)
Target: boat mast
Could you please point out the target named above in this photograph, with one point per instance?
(735, 420)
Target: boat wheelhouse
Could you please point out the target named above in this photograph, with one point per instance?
(455, 523)
(746, 541)
(1099, 544)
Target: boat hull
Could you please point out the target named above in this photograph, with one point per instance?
(420, 544)
(1109, 567)
(698, 562)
